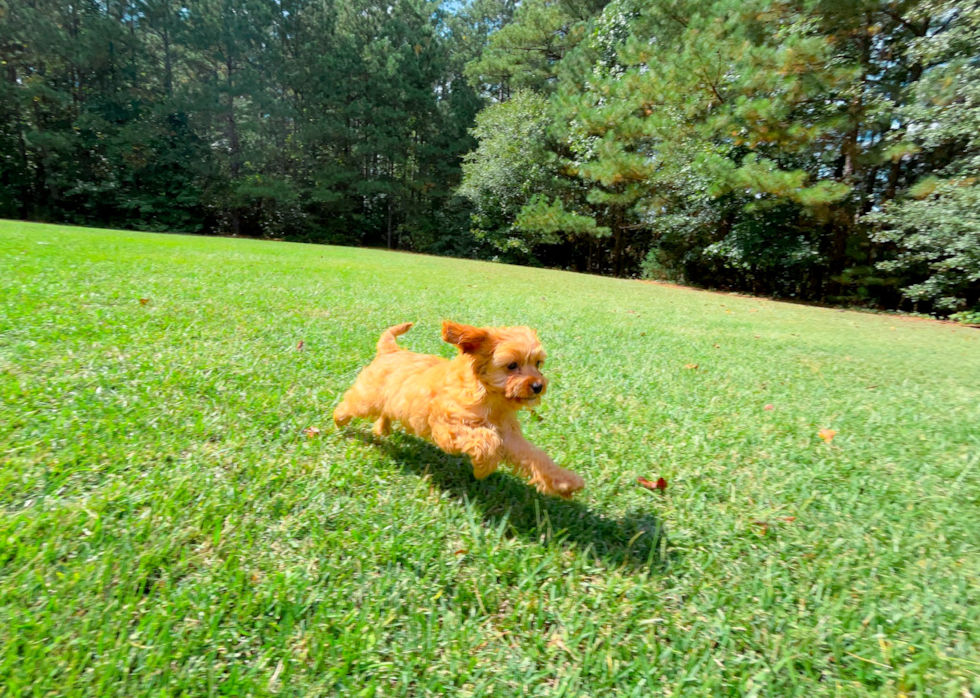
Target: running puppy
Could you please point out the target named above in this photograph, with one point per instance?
(468, 405)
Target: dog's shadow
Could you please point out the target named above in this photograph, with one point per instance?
(637, 540)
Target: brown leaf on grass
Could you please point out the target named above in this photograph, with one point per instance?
(461, 551)
(690, 366)
(660, 484)
(299, 345)
(827, 435)
(312, 432)
(769, 408)
(556, 641)
(144, 301)
(765, 525)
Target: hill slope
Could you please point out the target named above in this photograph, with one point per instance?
(167, 525)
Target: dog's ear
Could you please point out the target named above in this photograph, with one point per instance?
(469, 339)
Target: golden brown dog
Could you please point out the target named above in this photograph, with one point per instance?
(465, 406)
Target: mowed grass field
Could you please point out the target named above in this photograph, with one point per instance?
(169, 526)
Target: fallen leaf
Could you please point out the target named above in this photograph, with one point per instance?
(717, 346)
(312, 433)
(827, 435)
(769, 408)
(690, 365)
(764, 525)
(144, 301)
(660, 484)
(461, 551)
(299, 345)
(789, 519)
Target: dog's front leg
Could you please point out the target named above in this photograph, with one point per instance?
(481, 444)
(534, 464)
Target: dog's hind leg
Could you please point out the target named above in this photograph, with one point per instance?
(382, 427)
(354, 405)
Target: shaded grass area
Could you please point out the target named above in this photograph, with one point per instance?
(167, 527)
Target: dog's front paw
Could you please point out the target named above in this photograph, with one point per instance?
(564, 484)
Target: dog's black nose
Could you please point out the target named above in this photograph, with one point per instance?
(536, 387)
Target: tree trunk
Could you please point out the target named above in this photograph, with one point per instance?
(390, 237)
(234, 145)
(618, 251)
(893, 174)
(21, 144)
(168, 66)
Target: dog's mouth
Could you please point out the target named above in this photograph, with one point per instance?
(526, 400)
(521, 392)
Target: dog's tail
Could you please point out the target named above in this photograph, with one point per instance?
(386, 344)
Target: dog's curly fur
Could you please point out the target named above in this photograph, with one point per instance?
(468, 405)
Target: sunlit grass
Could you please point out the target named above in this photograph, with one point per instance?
(167, 526)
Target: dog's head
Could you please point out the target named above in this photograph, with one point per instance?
(507, 360)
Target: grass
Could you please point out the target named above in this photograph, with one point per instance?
(167, 527)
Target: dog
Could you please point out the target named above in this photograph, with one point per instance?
(467, 405)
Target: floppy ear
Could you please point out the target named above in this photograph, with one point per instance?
(469, 339)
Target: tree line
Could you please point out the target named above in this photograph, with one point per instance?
(825, 150)
(337, 121)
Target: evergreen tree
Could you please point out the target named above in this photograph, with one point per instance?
(745, 144)
(936, 225)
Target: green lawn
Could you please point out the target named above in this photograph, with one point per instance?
(167, 527)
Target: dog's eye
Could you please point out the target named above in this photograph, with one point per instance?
(512, 365)
(537, 365)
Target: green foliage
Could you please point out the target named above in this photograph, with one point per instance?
(939, 234)
(306, 119)
(967, 317)
(526, 52)
(820, 150)
(550, 219)
(936, 226)
(780, 126)
(510, 165)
